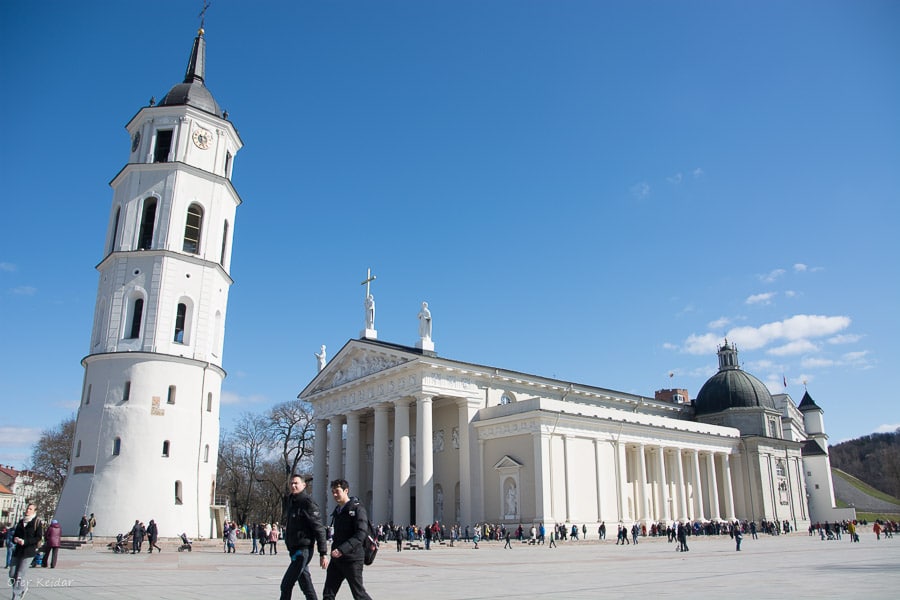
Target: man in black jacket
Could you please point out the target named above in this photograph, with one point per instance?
(303, 527)
(351, 526)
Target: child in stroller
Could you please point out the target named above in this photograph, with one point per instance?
(185, 543)
(118, 546)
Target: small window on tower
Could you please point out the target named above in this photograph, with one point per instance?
(178, 492)
(87, 396)
(224, 244)
(163, 146)
(209, 402)
(171, 397)
(126, 393)
(180, 315)
(206, 453)
(78, 449)
(192, 227)
(148, 221)
(165, 451)
(136, 315)
(117, 446)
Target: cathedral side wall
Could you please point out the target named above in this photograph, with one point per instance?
(521, 449)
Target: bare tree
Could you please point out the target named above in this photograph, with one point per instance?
(241, 457)
(50, 458)
(293, 430)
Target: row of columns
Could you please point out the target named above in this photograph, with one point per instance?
(650, 506)
(342, 465)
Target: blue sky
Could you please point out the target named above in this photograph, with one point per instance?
(593, 191)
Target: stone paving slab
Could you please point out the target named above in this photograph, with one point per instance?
(792, 566)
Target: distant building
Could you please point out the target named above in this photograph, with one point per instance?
(423, 438)
(676, 396)
(17, 489)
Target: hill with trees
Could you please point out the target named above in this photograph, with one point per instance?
(873, 459)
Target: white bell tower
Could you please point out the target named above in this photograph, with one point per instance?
(147, 433)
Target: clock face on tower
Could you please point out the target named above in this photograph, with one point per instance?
(201, 138)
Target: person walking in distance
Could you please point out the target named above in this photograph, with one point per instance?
(303, 528)
(351, 525)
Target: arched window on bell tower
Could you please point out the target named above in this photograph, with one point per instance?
(115, 231)
(148, 221)
(135, 317)
(192, 227)
(224, 244)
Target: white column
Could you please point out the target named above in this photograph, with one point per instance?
(696, 486)
(598, 479)
(729, 493)
(713, 487)
(401, 462)
(351, 467)
(543, 496)
(568, 467)
(320, 465)
(424, 461)
(380, 467)
(622, 479)
(644, 486)
(682, 490)
(663, 486)
(467, 411)
(335, 450)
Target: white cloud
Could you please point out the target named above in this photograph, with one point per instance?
(640, 190)
(675, 179)
(887, 428)
(790, 293)
(765, 298)
(800, 267)
(701, 344)
(772, 275)
(845, 338)
(18, 436)
(230, 398)
(816, 363)
(7, 267)
(697, 173)
(798, 327)
(24, 290)
(795, 347)
(719, 323)
(669, 346)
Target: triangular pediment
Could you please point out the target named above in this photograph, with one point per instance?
(355, 362)
(507, 462)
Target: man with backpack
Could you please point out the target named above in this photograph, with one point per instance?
(303, 528)
(351, 528)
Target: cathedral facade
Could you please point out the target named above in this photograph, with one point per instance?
(421, 438)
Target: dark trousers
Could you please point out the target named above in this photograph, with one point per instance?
(340, 569)
(50, 557)
(298, 572)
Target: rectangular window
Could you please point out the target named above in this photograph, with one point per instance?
(170, 399)
(209, 402)
(126, 393)
(163, 146)
(165, 451)
(180, 314)
(87, 396)
(178, 492)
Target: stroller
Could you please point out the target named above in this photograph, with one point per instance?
(118, 546)
(185, 543)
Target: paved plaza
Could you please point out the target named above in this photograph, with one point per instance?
(792, 566)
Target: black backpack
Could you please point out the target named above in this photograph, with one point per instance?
(370, 545)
